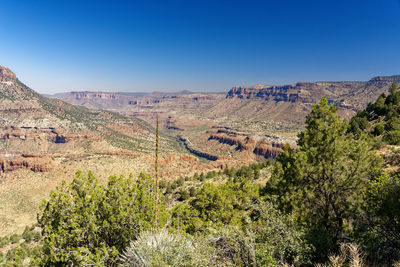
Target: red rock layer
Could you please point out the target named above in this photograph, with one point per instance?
(268, 150)
(35, 165)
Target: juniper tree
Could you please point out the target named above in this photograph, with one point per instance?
(88, 223)
(322, 181)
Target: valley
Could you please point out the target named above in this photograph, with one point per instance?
(46, 139)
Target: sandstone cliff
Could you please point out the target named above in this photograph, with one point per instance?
(289, 104)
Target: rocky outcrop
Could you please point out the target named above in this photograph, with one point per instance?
(345, 95)
(268, 150)
(225, 139)
(36, 133)
(393, 78)
(189, 159)
(144, 102)
(29, 162)
(7, 73)
(241, 141)
(197, 152)
(247, 145)
(94, 95)
(286, 93)
(167, 160)
(203, 98)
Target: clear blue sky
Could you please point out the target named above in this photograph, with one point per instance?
(201, 45)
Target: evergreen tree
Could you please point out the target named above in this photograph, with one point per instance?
(322, 181)
(379, 227)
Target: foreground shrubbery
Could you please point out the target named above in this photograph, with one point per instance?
(88, 223)
(322, 182)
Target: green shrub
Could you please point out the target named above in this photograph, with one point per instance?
(379, 228)
(14, 238)
(4, 241)
(27, 234)
(393, 137)
(168, 189)
(379, 129)
(37, 236)
(192, 191)
(184, 195)
(88, 223)
(174, 185)
(162, 184)
(179, 182)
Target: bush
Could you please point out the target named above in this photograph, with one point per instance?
(4, 241)
(179, 182)
(211, 174)
(192, 191)
(168, 189)
(202, 177)
(216, 206)
(162, 184)
(27, 234)
(268, 238)
(184, 195)
(164, 249)
(393, 137)
(87, 223)
(37, 236)
(14, 238)
(379, 227)
(378, 130)
(174, 185)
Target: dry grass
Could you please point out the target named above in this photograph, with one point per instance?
(349, 256)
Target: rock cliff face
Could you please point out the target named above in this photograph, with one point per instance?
(245, 143)
(310, 92)
(35, 133)
(94, 95)
(289, 104)
(29, 162)
(287, 93)
(7, 73)
(268, 150)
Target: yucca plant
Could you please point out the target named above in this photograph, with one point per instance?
(349, 256)
(164, 249)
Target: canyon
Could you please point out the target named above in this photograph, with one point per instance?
(45, 139)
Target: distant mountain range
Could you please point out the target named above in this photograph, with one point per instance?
(287, 104)
(291, 103)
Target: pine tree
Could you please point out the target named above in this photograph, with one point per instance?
(321, 182)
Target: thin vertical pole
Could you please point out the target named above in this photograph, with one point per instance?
(156, 182)
(178, 225)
